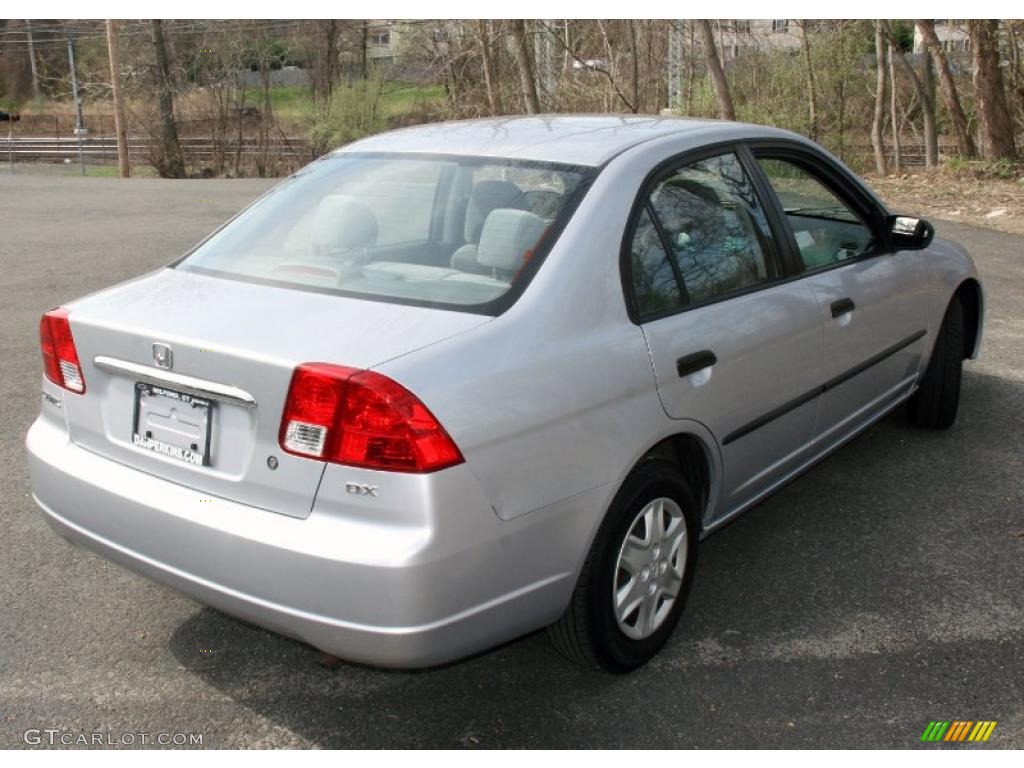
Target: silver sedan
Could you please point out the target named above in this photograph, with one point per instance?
(456, 383)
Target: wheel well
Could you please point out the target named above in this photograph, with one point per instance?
(969, 293)
(690, 455)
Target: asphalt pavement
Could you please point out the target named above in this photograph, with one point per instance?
(880, 591)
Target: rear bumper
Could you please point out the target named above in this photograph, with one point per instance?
(420, 592)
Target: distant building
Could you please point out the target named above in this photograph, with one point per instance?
(737, 37)
(382, 41)
(952, 37)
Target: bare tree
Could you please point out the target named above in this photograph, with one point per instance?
(726, 110)
(812, 98)
(877, 141)
(326, 65)
(527, 82)
(964, 140)
(634, 57)
(995, 128)
(32, 58)
(170, 164)
(897, 151)
(487, 57)
(120, 126)
(925, 92)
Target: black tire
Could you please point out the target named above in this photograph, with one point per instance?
(588, 633)
(934, 404)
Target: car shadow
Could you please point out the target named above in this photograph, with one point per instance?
(832, 573)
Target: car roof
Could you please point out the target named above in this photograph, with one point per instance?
(590, 140)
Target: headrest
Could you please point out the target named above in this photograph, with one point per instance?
(507, 236)
(342, 223)
(685, 203)
(487, 195)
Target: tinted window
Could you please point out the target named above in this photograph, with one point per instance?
(715, 227)
(826, 228)
(654, 281)
(447, 232)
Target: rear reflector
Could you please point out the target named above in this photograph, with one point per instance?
(60, 359)
(362, 419)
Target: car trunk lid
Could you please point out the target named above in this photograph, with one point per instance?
(187, 376)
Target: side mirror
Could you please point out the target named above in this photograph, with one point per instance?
(907, 233)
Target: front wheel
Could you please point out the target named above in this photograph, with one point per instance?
(934, 405)
(636, 577)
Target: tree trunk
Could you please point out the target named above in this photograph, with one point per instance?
(172, 165)
(120, 127)
(32, 58)
(364, 45)
(726, 110)
(925, 91)
(691, 65)
(877, 141)
(526, 78)
(995, 127)
(964, 140)
(634, 57)
(931, 133)
(812, 98)
(325, 73)
(490, 75)
(897, 153)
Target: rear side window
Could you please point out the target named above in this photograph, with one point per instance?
(712, 233)
(655, 286)
(444, 231)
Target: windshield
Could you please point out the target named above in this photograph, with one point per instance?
(440, 231)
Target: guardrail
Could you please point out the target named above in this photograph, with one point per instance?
(911, 155)
(197, 150)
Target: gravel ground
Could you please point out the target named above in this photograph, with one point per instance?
(882, 590)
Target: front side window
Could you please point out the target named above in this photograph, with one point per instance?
(713, 229)
(827, 229)
(448, 232)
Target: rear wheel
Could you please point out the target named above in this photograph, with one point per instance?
(934, 405)
(636, 577)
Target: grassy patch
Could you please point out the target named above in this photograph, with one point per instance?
(294, 103)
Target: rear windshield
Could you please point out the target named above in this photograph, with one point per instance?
(455, 232)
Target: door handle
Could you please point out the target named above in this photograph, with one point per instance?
(842, 306)
(697, 361)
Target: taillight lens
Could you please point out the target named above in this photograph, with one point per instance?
(363, 419)
(60, 359)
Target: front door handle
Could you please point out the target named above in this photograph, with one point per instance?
(697, 361)
(842, 306)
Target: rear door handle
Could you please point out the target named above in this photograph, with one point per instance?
(697, 361)
(842, 306)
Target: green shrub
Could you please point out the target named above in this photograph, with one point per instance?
(352, 112)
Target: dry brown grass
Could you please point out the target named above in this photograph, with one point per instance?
(956, 196)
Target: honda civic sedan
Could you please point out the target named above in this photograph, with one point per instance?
(459, 382)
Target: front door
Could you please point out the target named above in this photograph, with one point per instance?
(870, 300)
(734, 345)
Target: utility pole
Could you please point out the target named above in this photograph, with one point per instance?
(80, 123)
(32, 58)
(115, 82)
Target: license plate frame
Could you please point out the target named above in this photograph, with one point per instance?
(158, 427)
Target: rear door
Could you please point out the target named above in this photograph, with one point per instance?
(871, 301)
(734, 345)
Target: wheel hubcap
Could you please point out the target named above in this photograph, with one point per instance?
(649, 571)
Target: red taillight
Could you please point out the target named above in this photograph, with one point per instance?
(60, 359)
(363, 419)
